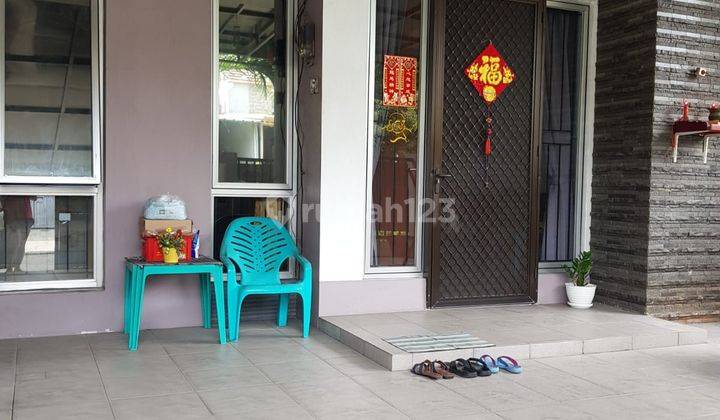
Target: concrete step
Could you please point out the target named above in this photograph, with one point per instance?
(522, 332)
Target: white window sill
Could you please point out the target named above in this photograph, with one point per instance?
(382, 276)
(48, 286)
(552, 268)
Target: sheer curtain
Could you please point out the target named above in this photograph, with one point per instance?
(560, 135)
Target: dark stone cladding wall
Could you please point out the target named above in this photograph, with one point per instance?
(622, 150)
(683, 276)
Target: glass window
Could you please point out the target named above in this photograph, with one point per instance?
(252, 143)
(46, 238)
(396, 136)
(562, 135)
(50, 194)
(48, 120)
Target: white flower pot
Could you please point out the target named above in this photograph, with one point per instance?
(580, 297)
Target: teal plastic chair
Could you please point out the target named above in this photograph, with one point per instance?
(258, 247)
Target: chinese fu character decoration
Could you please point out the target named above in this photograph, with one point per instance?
(490, 75)
(399, 81)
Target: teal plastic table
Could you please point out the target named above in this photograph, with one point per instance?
(137, 271)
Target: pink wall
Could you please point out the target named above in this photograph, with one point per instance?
(551, 288)
(157, 139)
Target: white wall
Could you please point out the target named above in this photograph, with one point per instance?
(346, 42)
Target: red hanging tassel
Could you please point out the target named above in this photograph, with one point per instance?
(488, 145)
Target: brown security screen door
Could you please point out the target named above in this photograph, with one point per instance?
(488, 253)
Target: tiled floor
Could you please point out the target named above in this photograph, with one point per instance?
(275, 373)
(528, 331)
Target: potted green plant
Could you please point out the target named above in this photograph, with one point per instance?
(580, 292)
(171, 243)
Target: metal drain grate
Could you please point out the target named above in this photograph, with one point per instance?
(425, 343)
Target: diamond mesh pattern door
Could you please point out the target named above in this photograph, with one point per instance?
(486, 254)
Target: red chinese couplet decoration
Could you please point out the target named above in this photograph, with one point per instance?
(399, 81)
(490, 75)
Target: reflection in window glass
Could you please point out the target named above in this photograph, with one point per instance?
(45, 238)
(251, 92)
(396, 132)
(48, 88)
(560, 136)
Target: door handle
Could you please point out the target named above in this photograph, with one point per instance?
(438, 177)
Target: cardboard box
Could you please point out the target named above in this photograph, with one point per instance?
(158, 226)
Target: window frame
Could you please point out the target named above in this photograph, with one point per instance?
(586, 116)
(291, 146)
(96, 58)
(416, 269)
(62, 185)
(98, 246)
(286, 190)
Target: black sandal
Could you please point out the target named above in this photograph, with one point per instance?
(479, 366)
(462, 368)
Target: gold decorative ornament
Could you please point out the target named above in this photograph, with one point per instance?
(399, 128)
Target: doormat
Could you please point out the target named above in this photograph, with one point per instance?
(425, 343)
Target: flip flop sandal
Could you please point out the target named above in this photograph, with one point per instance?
(462, 368)
(443, 369)
(509, 364)
(490, 363)
(426, 369)
(479, 366)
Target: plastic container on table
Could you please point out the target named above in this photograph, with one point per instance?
(151, 251)
(165, 207)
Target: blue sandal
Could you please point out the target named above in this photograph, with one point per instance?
(509, 364)
(490, 363)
